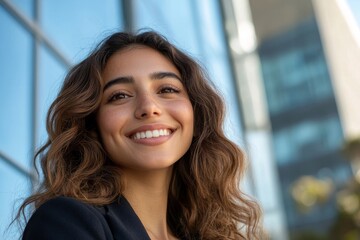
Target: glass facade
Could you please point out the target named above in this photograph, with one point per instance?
(307, 133)
(89, 21)
(39, 45)
(307, 139)
(15, 88)
(40, 40)
(294, 68)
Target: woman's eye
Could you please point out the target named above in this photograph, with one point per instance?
(118, 96)
(169, 90)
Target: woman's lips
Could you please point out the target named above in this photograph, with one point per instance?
(151, 134)
(152, 140)
(149, 129)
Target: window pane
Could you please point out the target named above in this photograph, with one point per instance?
(25, 6)
(75, 26)
(15, 89)
(159, 15)
(13, 188)
(308, 139)
(215, 57)
(294, 68)
(51, 75)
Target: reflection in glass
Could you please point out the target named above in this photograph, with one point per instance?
(294, 68)
(25, 6)
(15, 89)
(51, 75)
(307, 139)
(10, 198)
(75, 26)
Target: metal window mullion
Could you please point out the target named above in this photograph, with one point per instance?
(35, 30)
(35, 89)
(128, 15)
(17, 166)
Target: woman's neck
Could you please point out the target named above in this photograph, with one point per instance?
(147, 193)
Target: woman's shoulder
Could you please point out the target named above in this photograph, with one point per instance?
(67, 218)
(65, 207)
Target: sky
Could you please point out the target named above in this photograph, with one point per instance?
(355, 7)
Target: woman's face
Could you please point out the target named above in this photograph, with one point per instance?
(145, 119)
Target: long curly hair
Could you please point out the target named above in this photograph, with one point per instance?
(204, 200)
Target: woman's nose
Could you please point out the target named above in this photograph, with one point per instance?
(147, 107)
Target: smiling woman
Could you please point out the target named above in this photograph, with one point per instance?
(143, 97)
(136, 150)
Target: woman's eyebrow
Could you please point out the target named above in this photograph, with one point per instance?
(118, 80)
(161, 75)
(129, 79)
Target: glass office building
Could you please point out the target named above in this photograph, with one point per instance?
(280, 62)
(306, 129)
(40, 40)
(304, 118)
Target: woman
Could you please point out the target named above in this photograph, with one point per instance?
(136, 150)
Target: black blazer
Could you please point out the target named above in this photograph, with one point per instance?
(64, 218)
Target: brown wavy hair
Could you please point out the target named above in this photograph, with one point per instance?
(204, 201)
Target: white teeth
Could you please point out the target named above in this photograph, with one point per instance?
(148, 134)
(155, 133)
(151, 134)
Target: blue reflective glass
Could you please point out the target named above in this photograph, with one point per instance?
(294, 68)
(51, 75)
(25, 6)
(12, 191)
(75, 26)
(175, 19)
(309, 138)
(214, 55)
(15, 89)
